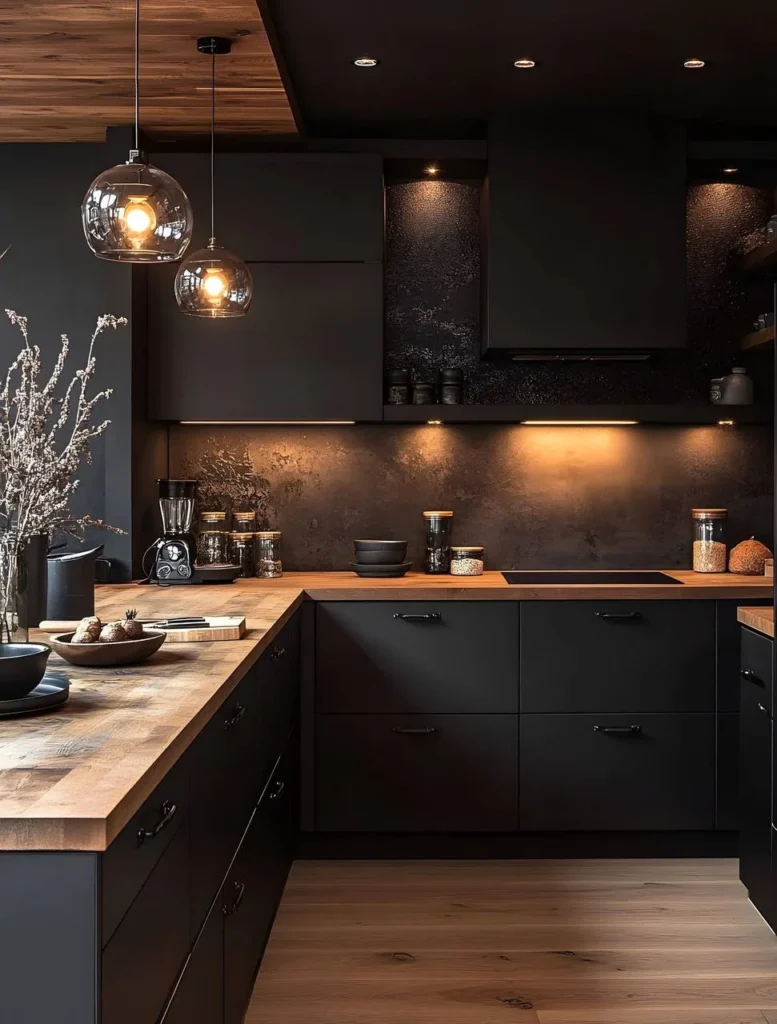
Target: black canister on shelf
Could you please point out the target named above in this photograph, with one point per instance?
(438, 542)
(397, 387)
(424, 393)
(452, 385)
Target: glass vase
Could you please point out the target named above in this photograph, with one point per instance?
(12, 577)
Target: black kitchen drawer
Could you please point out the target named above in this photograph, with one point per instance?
(143, 960)
(278, 697)
(755, 781)
(756, 666)
(416, 773)
(576, 776)
(613, 656)
(254, 887)
(447, 657)
(199, 995)
(132, 855)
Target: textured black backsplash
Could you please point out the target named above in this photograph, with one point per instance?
(433, 272)
(537, 497)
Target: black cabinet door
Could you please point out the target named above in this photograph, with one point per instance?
(254, 887)
(322, 207)
(586, 239)
(310, 348)
(199, 996)
(611, 656)
(142, 962)
(614, 772)
(417, 773)
(755, 781)
(445, 657)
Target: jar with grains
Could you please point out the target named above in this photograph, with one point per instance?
(241, 552)
(243, 522)
(467, 561)
(212, 539)
(268, 554)
(709, 539)
(438, 542)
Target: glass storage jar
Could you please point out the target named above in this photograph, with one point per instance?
(709, 539)
(243, 522)
(467, 561)
(212, 539)
(268, 555)
(241, 551)
(438, 542)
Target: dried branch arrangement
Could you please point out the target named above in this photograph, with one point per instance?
(45, 434)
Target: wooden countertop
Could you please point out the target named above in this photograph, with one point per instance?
(72, 779)
(761, 619)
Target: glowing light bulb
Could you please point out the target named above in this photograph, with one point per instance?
(139, 218)
(214, 284)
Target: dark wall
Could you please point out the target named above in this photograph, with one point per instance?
(432, 298)
(560, 497)
(50, 276)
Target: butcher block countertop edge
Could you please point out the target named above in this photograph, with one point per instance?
(760, 619)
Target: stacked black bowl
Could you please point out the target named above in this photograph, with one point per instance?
(380, 558)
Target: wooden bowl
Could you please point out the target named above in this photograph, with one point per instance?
(97, 655)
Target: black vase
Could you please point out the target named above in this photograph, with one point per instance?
(32, 582)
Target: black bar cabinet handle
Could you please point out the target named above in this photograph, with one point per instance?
(167, 813)
(277, 652)
(751, 677)
(619, 616)
(619, 730)
(410, 617)
(760, 707)
(238, 888)
(426, 731)
(235, 716)
(279, 788)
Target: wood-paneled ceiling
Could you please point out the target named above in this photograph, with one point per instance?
(66, 70)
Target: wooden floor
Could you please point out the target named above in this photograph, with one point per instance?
(529, 942)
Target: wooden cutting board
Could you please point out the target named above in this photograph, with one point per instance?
(220, 627)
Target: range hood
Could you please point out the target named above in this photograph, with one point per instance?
(586, 238)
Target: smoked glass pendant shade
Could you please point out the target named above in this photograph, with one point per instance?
(213, 282)
(137, 213)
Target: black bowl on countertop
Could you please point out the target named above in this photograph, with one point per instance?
(22, 666)
(380, 571)
(380, 552)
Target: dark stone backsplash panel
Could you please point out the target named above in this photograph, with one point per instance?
(432, 297)
(545, 497)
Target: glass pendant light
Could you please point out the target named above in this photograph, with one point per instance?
(134, 212)
(213, 282)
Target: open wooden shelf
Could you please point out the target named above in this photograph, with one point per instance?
(758, 338)
(669, 414)
(762, 258)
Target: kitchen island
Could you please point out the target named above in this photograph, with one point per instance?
(151, 821)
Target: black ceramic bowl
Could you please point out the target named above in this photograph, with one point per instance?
(22, 666)
(380, 552)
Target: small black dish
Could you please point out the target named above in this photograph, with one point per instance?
(380, 571)
(52, 691)
(380, 552)
(22, 666)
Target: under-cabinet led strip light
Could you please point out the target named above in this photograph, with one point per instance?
(267, 423)
(579, 423)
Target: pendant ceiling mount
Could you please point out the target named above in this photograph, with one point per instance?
(213, 282)
(134, 212)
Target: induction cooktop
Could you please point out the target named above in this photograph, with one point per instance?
(612, 576)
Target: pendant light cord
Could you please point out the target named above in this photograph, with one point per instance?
(137, 74)
(212, 143)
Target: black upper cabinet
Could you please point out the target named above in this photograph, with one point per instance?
(287, 206)
(310, 348)
(586, 236)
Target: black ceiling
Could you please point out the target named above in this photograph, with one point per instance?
(446, 64)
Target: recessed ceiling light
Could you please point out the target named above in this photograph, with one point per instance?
(366, 62)
(726, 423)
(694, 62)
(432, 169)
(434, 423)
(524, 62)
(730, 170)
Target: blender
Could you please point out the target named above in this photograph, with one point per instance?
(175, 551)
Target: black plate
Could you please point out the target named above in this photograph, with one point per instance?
(380, 571)
(613, 576)
(50, 692)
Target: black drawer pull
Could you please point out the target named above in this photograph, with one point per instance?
(751, 677)
(236, 716)
(760, 707)
(619, 616)
(167, 813)
(279, 788)
(425, 617)
(619, 730)
(425, 731)
(238, 888)
(277, 652)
